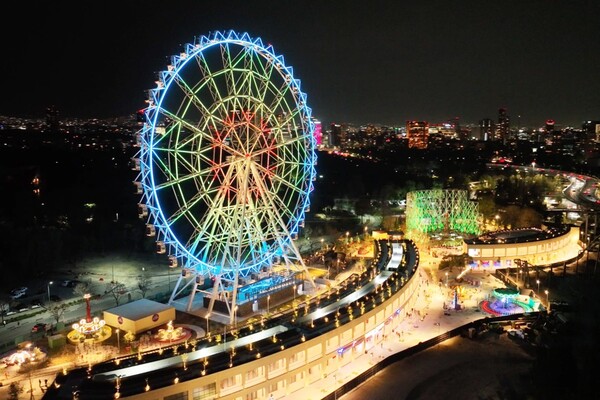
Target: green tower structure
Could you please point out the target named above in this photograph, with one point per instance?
(438, 210)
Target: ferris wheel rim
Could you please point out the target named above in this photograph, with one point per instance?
(180, 249)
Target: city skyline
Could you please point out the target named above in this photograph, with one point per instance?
(379, 62)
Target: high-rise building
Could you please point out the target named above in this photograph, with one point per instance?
(591, 129)
(549, 125)
(335, 135)
(318, 133)
(486, 129)
(503, 126)
(417, 133)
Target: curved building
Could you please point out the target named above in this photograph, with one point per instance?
(274, 358)
(544, 246)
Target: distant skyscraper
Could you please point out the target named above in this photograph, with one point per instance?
(318, 134)
(335, 135)
(486, 129)
(503, 127)
(417, 133)
(592, 130)
(549, 125)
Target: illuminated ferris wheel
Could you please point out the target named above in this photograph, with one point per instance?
(226, 163)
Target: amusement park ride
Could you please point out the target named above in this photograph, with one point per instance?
(226, 166)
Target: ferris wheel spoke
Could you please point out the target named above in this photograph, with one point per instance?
(263, 80)
(274, 148)
(277, 180)
(216, 206)
(209, 78)
(195, 101)
(229, 65)
(197, 133)
(271, 202)
(177, 180)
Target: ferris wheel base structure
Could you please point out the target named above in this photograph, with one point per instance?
(258, 295)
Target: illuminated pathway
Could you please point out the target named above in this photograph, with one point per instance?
(413, 330)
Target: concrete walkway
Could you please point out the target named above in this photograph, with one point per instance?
(427, 321)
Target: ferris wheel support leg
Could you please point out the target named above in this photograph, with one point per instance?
(304, 269)
(233, 309)
(174, 293)
(215, 293)
(192, 295)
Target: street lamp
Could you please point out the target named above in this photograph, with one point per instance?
(446, 278)
(118, 340)
(295, 288)
(322, 240)
(207, 319)
(49, 283)
(347, 234)
(268, 300)
(547, 298)
(366, 229)
(538, 283)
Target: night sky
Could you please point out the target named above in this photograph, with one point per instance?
(359, 61)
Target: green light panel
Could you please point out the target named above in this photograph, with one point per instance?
(429, 211)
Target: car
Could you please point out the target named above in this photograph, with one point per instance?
(19, 289)
(39, 327)
(18, 292)
(17, 295)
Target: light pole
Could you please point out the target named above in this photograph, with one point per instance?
(49, 283)
(322, 240)
(235, 317)
(118, 341)
(207, 319)
(366, 229)
(446, 278)
(547, 298)
(268, 301)
(538, 283)
(347, 234)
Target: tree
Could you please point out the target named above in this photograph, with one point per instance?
(56, 310)
(458, 261)
(521, 217)
(143, 282)
(117, 290)
(14, 390)
(487, 207)
(82, 288)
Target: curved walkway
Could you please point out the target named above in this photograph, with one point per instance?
(427, 321)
